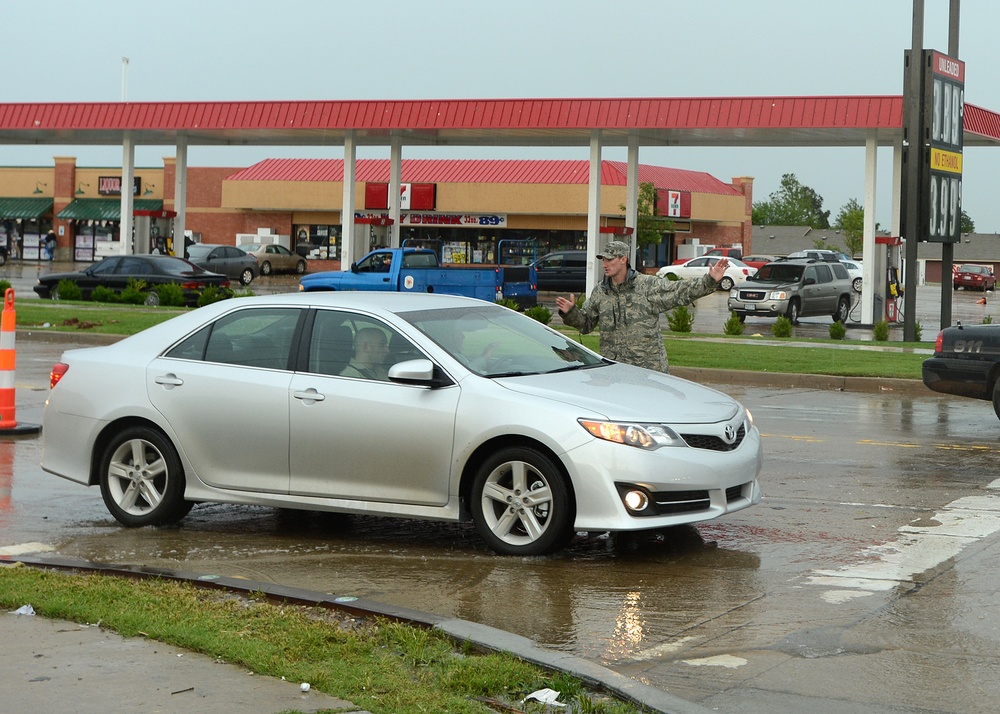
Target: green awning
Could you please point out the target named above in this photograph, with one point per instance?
(26, 208)
(99, 209)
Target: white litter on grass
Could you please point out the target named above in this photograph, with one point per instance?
(304, 687)
(545, 696)
(24, 610)
(727, 661)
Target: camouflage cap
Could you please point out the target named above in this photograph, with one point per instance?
(614, 249)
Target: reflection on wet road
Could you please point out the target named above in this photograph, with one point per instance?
(863, 582)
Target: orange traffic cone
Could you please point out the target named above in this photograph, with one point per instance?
(8, 359)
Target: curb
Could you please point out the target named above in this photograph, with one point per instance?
(461, 631)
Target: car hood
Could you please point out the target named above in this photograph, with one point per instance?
(624, 392)
(750, 283)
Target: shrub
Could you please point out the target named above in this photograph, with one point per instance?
(837, 330)
(171, 295)
(134, 292)
(680, 319)
(211, 294)
(540, 313)
(917, 331)
(988, 320)
(881, 330)
(733, 326)
(4, 284)
(68, 290)
(782, 327)
(510, 303)
(103, 293)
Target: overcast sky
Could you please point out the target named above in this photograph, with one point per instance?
(66, 50)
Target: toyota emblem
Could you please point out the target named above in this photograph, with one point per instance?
(730, 434)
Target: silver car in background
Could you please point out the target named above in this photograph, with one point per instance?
(457, 410)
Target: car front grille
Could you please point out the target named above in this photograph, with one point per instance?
(714, 443)
(752, 295)
(667, 503)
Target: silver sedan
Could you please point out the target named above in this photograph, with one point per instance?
(423, 406)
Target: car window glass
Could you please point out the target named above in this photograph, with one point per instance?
(133, 266)
(840, 271)
(496, 341)
(106, 267)
(253, 338)
(823, 274)
(352, 345)
(281, 250)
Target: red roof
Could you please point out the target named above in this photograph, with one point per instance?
(696, 121)
(613, 173)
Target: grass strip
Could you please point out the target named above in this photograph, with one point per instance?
(380, 665)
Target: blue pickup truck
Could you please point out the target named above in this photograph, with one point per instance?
(418, 270)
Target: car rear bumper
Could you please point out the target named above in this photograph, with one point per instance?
(961, 377)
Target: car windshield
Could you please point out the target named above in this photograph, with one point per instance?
(495, 341)
(778, 273)
(971, 269)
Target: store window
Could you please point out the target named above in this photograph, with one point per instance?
(323, 238)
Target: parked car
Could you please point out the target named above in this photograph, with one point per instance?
(116, 272)
(966, 363)
(856, 270)
(974, 277)
(479, 413)
(732, 252)
(829, 256)
(564, 270)
(736, 273)
(275, 258)
(756, 261)
(229, 260)
(794, 288)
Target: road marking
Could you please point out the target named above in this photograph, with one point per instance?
(922, 547)
(727, 661)
(24, 548)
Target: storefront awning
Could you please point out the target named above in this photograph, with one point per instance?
(26, 208)
(98, 209)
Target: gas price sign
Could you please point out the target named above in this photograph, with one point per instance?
(945, 90)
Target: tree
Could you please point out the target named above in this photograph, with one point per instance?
(792, 205)
(968, 225)
(851, 223)
(651, 227)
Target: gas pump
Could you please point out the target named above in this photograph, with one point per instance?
(153, 229)
(888, 289)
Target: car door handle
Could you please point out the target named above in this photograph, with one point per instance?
(169, 380)
(310, 396)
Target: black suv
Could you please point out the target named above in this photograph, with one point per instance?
(564, 270)
(794, 288)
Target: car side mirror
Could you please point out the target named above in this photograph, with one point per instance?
(419, 372)
(809, 281)
(354, 267)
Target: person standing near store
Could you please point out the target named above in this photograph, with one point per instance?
(626, 307)
(50, 245)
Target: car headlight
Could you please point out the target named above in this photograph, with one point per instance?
(778, 295)
(734, 293)
(642, 436)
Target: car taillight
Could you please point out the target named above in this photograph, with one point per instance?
(939, 342)
(58, 370)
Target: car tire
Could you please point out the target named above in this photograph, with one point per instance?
(246, 277)
(152, 299)
(3, 257)
(300, 267)
(857, 284)
(843, 310)
(142, 481)
(265, 268)
(793, 312)
(955, 286)
(726, 283)
(54, 292)
(741, 316)
(511, 521)
(996, 398)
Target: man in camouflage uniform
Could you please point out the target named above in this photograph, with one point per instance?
(626, 307)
